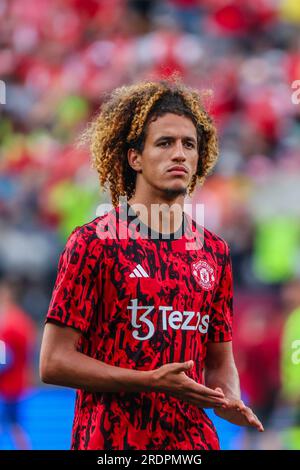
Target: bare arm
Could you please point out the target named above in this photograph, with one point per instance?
(221, 371)
(221, 374)
(62, 364)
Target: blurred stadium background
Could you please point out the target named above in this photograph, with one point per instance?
(57, 59)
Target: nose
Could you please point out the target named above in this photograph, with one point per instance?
(179, 154)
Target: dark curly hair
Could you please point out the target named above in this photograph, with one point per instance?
(122, 124)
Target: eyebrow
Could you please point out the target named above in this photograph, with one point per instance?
(171, 137)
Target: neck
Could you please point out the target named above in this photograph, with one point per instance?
(162, 214)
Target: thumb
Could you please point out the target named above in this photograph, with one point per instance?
(188, 365)
(182, 366)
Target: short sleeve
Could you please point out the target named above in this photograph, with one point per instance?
(220, 324)
(76, 290)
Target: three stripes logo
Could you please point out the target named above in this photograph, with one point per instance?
(138, 272)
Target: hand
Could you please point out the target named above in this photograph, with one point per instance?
(172, 379)
(236, 412)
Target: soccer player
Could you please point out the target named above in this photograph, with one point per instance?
(140, 320)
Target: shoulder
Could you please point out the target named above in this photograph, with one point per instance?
(89, 234)
(84, 234)
(217, 243)
(211, 241)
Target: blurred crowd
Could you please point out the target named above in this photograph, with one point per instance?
(57, 61)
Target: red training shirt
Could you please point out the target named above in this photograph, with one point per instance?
(139, 304)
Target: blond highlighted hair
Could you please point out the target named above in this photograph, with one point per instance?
(122, 124)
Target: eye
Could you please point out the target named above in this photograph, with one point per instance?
(165, 143)
(190, 145)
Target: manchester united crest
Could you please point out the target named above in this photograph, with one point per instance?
(204, 274)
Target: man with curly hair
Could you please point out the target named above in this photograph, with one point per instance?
(140, 320)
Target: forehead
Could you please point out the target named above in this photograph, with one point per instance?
(172, 125)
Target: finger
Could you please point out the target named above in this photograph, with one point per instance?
(212, 401)
(238, 405)
(204, 404)
(209, 391)
(195, 394)
(187, 365)
(218, 402)
(181, 366)
(253, 419)
(224, 405)
(258, 425)
(255, 423)
(192, 386)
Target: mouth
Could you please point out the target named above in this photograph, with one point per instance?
(178, 170)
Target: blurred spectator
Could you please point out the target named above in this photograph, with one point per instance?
(290, 362)
(18, 334)
(257, 350)
(59, 58)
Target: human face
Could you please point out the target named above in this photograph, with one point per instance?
(170, 156)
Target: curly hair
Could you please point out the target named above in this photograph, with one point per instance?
(122, 124)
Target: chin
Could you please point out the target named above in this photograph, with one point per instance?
(173, 192)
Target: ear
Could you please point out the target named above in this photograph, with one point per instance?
(134, 160)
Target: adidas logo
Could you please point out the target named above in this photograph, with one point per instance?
(138, 272)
